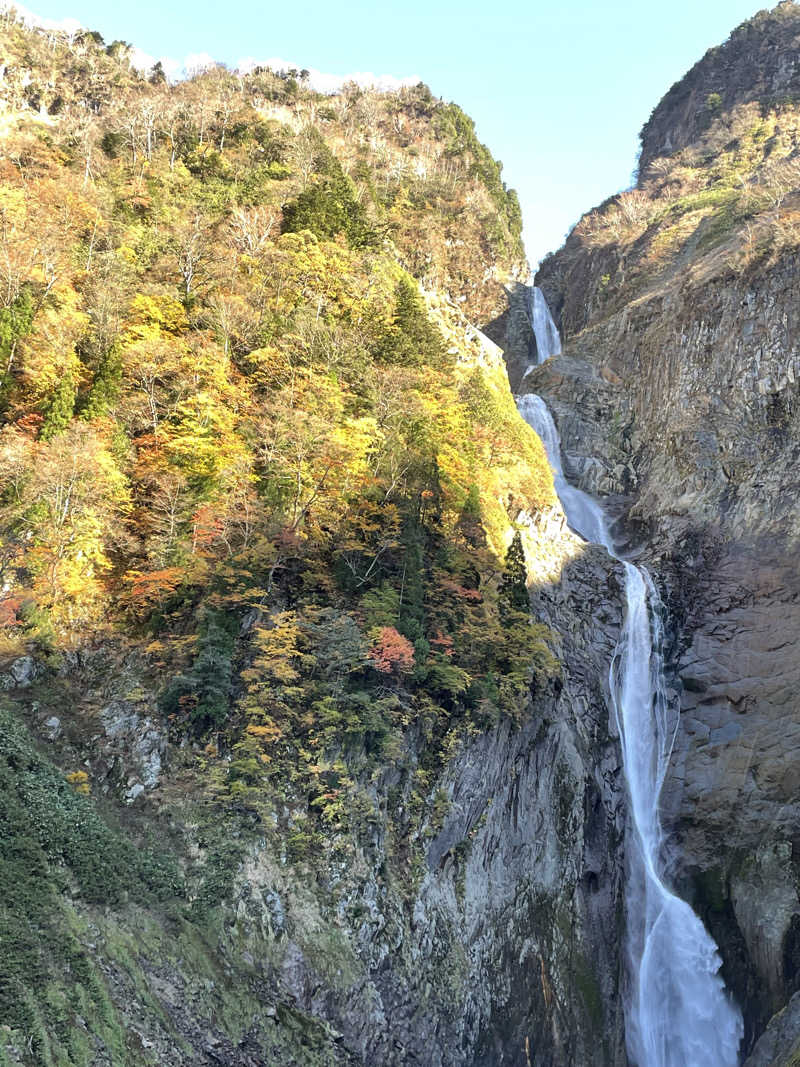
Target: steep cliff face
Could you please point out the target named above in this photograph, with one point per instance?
(508, 950)
(759, 62)
(678, 301)
(286, 773)
(492, 936)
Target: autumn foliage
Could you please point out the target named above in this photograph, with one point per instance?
(243, 425)
(392, 653)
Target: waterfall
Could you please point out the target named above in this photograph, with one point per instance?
(678, 1013)
(548, 342)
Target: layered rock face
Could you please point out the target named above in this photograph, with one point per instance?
(479, 915)
(760, 61)
(677, 399)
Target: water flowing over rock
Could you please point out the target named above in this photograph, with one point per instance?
(678, 1013)
(679, 374)
(228, 836)
(548, 342)
(669, 395)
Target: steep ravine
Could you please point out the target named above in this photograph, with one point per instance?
(689, 401)
(291, 855)
(677, 1010)
(681, 384)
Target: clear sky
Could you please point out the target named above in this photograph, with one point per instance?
(559, 93)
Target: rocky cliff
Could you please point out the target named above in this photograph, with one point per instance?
(489, 936)
(677, 399)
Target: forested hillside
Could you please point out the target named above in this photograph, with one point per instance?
(258, 479)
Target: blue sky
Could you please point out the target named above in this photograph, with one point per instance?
(558, 94)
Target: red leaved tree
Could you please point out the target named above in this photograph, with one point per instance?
(392, 653)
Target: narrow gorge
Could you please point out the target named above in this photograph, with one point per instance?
(398, 653)
(676, 401)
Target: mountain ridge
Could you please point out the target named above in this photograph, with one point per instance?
(306, 754)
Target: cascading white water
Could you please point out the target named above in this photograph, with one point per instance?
(678, 1014)
(584, 514)
(548, 342)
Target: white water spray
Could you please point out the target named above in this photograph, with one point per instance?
(678, 1014)
(548, 342)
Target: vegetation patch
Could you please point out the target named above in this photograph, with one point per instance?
(56, 849)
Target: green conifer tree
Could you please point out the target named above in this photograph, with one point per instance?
(412, 340)
(513, 585)
(60, 409)
(104, 390)
(15, 322)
